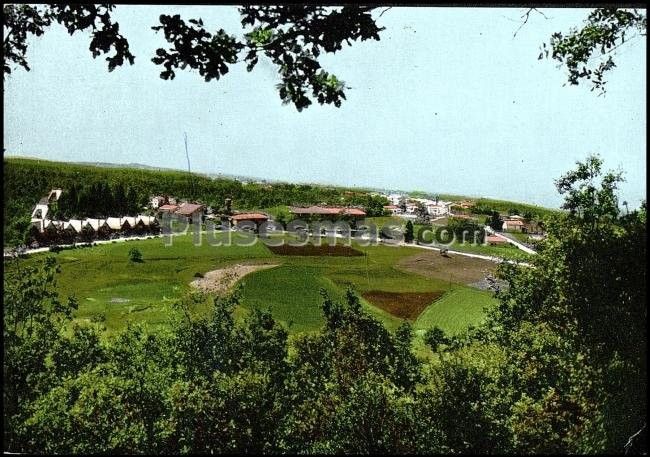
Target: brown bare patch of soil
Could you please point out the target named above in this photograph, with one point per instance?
(453, 267)
(405, 305)
(224, 278)
(337, 250)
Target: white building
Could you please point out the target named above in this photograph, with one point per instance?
(394, 199)
(156, 201)
(438, 209)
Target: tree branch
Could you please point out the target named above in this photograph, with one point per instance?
(630, 440)
(525, 18)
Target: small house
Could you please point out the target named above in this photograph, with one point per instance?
(513, 225)
(493, 240)
(192, 211)
(393, 209)
(255, 218)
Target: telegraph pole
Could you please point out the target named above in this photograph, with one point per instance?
(189, 171)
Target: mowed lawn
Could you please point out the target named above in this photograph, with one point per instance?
(106, 283)
(455, 310)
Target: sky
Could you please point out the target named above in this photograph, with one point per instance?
(447, 101)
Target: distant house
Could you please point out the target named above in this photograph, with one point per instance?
(52, 226)
(93, 223)
(168, 208)
(99, 227)
(328, 212)
(256, 218)
(494, 240)
(156, 201)
(411, 207)
(437, 208)
(515, 225)
(393, 209)
(71, 230)
(146, 220)
(395, 199)
(192, 211)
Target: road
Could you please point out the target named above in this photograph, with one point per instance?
(521, 246)
(337, 235)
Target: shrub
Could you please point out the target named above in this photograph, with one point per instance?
(135, 255)
(98, 318)
(198, 275)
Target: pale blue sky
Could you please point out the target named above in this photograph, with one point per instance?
(447, 101)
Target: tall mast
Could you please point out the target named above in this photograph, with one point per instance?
(189, 171)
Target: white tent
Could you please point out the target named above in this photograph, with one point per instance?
(114, 223)
(130, 220)
(146, 220)
(75, 224)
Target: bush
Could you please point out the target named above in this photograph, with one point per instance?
(435, 337)
(198, 275)
(135, 255)
(54, 248)
(98, 318)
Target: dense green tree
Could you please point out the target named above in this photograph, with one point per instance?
(495, 221)
(435, 337)
(32, 315)
(574, 328)
(408, 232)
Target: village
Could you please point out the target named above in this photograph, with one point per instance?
(48, 231)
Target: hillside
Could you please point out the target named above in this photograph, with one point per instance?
(27, 180)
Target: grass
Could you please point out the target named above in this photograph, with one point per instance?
(107, 283)
(519, 236)
(456, 310)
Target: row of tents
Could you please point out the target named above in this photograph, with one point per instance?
(109, 225)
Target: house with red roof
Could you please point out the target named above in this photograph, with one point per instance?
(494, 240)
(327, 212)
(255, 218)
(513, 225)
(192, 211)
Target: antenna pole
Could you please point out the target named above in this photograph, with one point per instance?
(189, 171)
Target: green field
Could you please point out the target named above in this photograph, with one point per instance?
(107, 284)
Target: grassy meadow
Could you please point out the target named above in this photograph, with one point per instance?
(112, 289)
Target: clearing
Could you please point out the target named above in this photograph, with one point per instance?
(99, 275)
(221, 280)
(452, 268)
(405, 305)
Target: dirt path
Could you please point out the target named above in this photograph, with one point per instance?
(224, 278)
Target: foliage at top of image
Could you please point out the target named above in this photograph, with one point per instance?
(19, 21)
(586, 52)
(292, 38)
